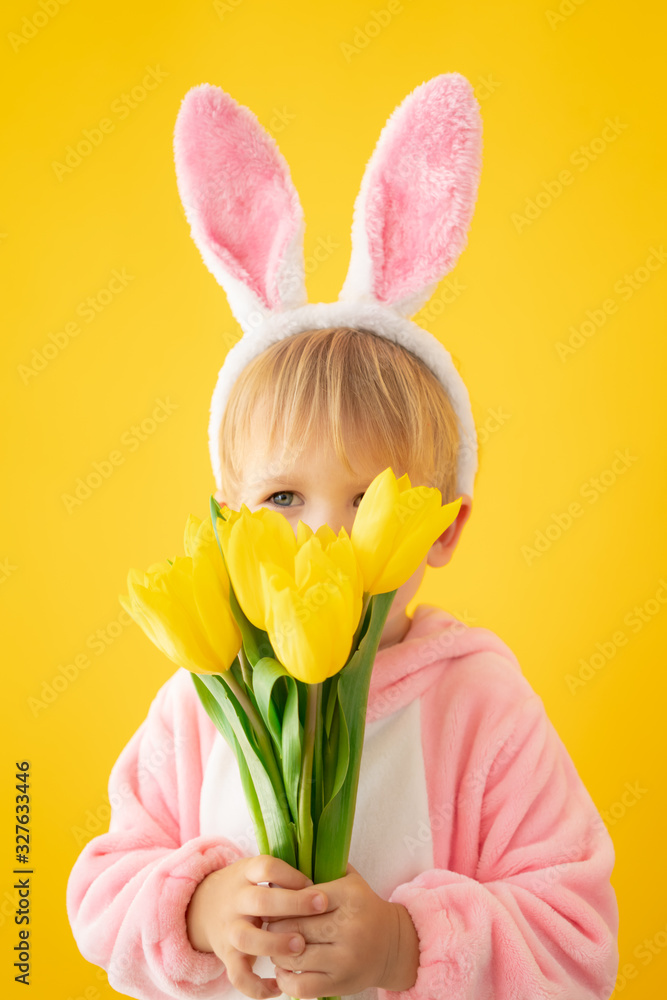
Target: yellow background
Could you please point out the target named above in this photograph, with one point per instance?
(547, 83)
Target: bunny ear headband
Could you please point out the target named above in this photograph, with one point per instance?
(410, 225)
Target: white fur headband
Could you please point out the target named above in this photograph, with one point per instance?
(411, 219)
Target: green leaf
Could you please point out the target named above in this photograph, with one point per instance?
(317, 802)
(335, 749)
(343, 754)
(218, 718)
(330, 755)
(279, 696)
(330, 696)
(238, 672)
(307, 781)
(335, 825)
(269, 674)
(272, 800)
(292, 735)
(265, 674)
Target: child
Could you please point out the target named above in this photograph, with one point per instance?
(479, 865)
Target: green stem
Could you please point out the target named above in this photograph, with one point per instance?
(364, 608)
(246, 669)
(334, 830)
(263, 739)
(254, 806)
(318, 762)
(305, 819)
(218, 717)
(242, 697)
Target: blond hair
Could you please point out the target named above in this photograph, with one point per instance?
(334, 383)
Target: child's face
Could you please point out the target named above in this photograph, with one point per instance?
(316, 488)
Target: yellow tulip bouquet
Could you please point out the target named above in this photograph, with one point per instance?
(280, 633)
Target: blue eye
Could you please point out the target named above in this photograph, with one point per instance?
(289, 493)
(282, 493)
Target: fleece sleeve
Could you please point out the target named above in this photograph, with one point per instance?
(519, 905)
(129, 889)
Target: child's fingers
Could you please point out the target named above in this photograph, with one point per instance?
(261, 901)
(314, 930)
(305, 984)
(242, 978)
(264, 868)
(247, 938)
(315, 958)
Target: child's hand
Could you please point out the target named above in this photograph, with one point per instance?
(360, 941)
(228, 907)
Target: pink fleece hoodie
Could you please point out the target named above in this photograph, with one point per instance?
(470, 813)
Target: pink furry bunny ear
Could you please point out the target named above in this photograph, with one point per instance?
(417, 196)
(238, 196)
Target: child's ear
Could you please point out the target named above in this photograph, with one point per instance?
(219, 497)
(443, 548)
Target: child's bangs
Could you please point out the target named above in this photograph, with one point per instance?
(374, 402)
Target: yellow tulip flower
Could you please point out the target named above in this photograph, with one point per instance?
(395, 526)
(332, 554)
(184, 608)
(313, 612)
(248, 538)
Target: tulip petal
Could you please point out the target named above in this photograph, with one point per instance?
(395, 526)
(211, 594)
(312, 639)
(190, 535)
(261, 531)
(421, 531)
(374, 528)
(303, 533)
